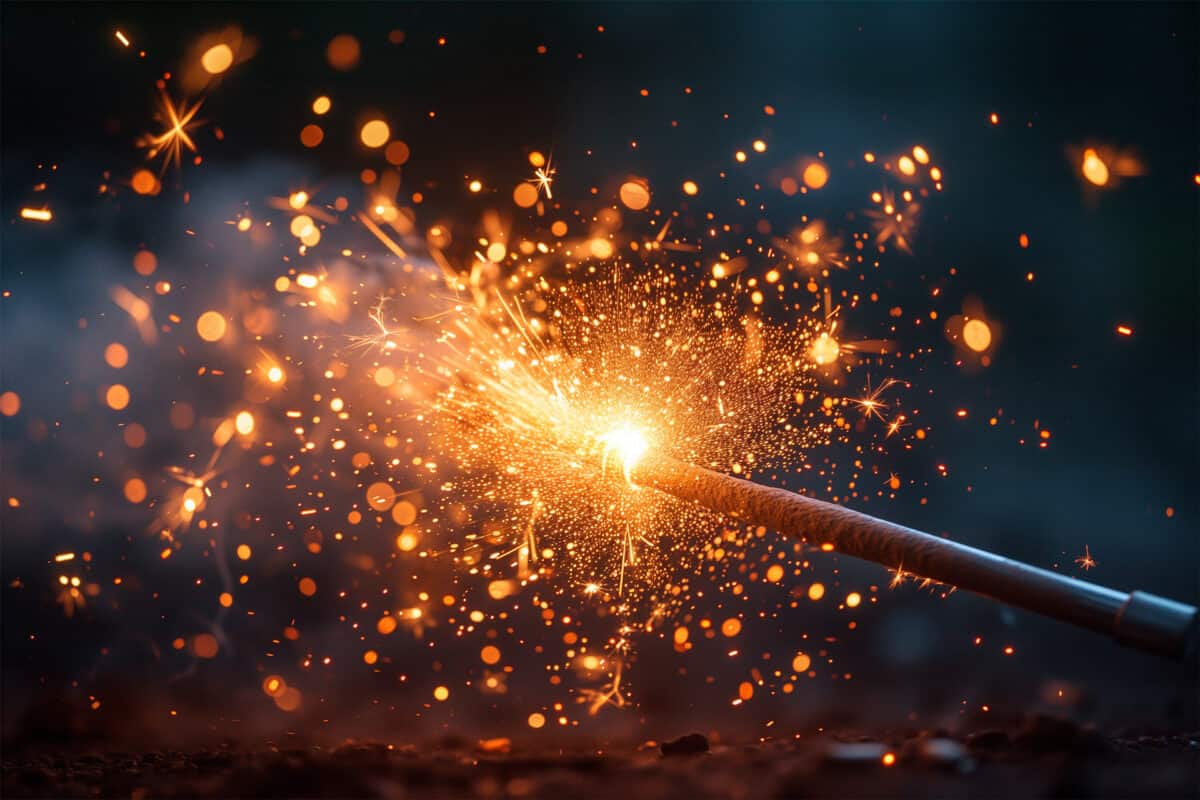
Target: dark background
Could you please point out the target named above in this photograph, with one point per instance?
(845, 79)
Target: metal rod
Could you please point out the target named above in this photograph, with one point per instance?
(1135, 619)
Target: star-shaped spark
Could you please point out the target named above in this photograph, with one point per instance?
(543, 177)
(891, 223)
(870, 403)
(171, 142)
(1086, 561)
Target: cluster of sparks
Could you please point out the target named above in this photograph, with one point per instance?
(477, 406)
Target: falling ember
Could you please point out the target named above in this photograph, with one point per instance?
(37, 214)
(122, 39)
(1125, 330)
(1094, 168)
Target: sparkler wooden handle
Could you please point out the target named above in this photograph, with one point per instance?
(1137, 619)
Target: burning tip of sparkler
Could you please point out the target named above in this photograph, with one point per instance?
(628, 445)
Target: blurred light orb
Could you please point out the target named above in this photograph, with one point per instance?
(525, 195)
(375, 133)
(397, 153)
(825, 349)
(116, 356)
(135, 490)
(343, 52)
(144, 182)
(311, 135)
(815, 175)
(977, 335)
(117, 397)
(217, 59)
(211, 326)
(635, 195)
(205, 646)
(144, 262)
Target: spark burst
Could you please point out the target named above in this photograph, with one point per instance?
(486, 418)
(177, 137)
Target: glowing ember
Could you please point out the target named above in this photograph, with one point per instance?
(1094, 168)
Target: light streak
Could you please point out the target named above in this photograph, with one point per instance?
(384, 239)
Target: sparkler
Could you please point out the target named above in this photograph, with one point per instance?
(1135, 619)
(516, 392)
(600, 431)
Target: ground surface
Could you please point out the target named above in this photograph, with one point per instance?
(1043, 758)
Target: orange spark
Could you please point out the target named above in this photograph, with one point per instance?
(37, 214)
